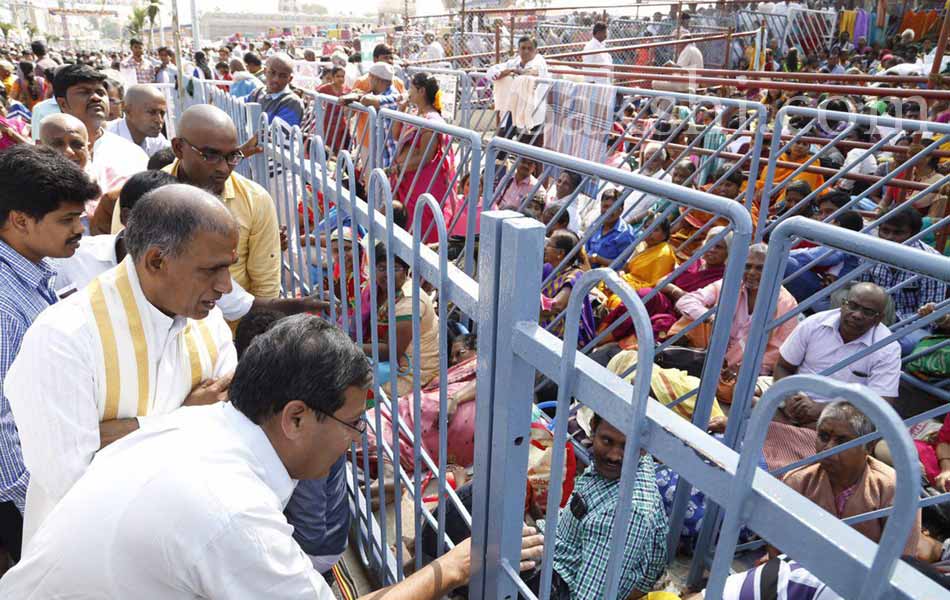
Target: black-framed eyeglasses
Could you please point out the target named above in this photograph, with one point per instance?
(210, 155)
(867, 312)
(359, 426)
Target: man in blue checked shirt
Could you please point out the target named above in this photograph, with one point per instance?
(614, 235)
(42, 197)
(582, 546)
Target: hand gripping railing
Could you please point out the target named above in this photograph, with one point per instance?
(899, 523)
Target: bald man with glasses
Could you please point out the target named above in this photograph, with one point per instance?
(206, 152)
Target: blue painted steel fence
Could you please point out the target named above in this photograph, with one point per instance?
(504, 307)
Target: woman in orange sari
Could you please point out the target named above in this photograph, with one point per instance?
(693, 219)
(797, 153)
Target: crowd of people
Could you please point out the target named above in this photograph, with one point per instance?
(148, 359)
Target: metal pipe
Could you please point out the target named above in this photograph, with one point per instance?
(817, 77)
(710, 38)
(941, 48)
(800, 87)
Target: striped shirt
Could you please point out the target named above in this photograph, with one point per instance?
(778, 579)
(582, 548)
(26, 288)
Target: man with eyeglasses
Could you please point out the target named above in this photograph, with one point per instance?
(191, 507)
(824, 339)
(206, 153)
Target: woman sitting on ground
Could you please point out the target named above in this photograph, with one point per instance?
(460, 412)
(402, 354)
(556, 294)
(851, 482)
(684, 235)
(661, 307)
(653, 260)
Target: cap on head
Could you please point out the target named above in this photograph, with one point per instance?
(383, 71)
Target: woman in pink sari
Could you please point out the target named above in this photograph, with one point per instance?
(422, 163)
(460, 419)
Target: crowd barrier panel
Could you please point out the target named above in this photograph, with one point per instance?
(873, 251)
(738, 223)
(350, 127)
(844, 559)
(460, 150)
(511, 347)
(838, 127)
(649, 110)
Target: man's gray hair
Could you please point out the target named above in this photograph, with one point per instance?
(169, 217)
(760, 249)
(845, 411)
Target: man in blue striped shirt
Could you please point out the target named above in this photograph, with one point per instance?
(42, 196)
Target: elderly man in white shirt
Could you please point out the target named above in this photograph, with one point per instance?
(527, 110)
(140, 340)
(601, 60)
(433, 51)
(192, 506)
(145, 109)
(824, 339)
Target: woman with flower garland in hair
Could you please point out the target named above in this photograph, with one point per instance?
(423, 164)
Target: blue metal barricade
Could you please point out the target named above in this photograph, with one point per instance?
(503, 304)
(843, 558)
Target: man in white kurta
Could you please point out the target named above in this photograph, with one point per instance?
(190, 507)
(526, 96)
(600, 60)
(133, 344)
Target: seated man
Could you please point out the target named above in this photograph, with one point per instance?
(824, 339)
(521, 186)
(830, 265)
(851, 482)
(583, 540)
(192, 508)
(898, 228)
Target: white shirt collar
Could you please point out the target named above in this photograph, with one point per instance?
(832, 319)
(269, 466)
(163, 326)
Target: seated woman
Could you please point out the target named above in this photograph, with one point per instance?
(402, 353)
(556, 294)
(851, 482)
(460, 412)
(694, 305)
(422, 164)
(683, 235)
(653, 260)
(708, 269)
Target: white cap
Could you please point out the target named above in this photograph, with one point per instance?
(382, 70)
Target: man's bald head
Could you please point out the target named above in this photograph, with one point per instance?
(870, 295)
(139, 94)
(278, 72)
(145, 109)
(183, 240)
(862, 310)
(201, 120)
(67, 135)
(206, 137)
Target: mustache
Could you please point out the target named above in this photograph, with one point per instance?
(74, 239)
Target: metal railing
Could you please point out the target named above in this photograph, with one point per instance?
(503, 305)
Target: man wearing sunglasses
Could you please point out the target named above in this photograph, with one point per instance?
(824, 339)
(191, 507)
(206, 152)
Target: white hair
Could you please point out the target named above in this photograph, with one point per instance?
(847, 412)
(714, 231)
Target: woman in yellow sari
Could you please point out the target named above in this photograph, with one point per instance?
(653, 260)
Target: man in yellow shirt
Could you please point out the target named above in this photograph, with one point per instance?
(206, 151)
